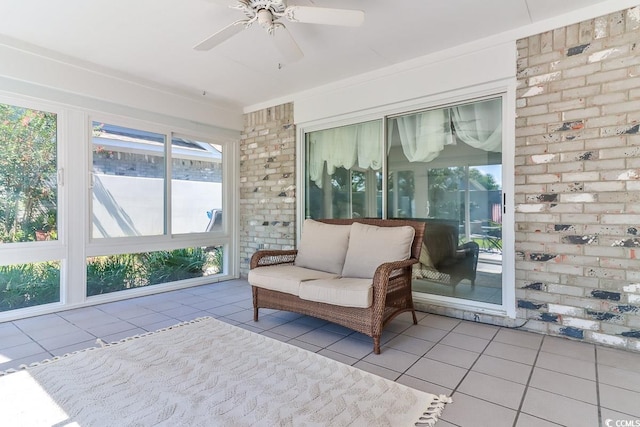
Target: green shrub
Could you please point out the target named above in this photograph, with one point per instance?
(112, 273)
(26, 285)
(178, 264)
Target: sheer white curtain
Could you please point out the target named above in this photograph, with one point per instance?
(424, 135)
(345, 147)
(479, 124)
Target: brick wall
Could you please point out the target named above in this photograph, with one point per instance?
(578, 181)
(267, 182)
(148, 166)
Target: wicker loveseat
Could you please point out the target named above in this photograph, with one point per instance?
(353, 272)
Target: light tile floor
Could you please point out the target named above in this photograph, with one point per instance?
(496, 376)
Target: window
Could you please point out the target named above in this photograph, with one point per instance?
(196, 186)
(28, 175)
(106, 274)
(128, 182)
(153, 189)
(27, 285)
(29, 252)
(95, 204)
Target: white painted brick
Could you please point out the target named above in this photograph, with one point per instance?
(581, 323)
(634, 288)
(544, 158)
(533, 91)
(607, 53)
(606, 339)
(578, 198)
(544, 78)
(624, 175)
(566, 310)
(531, 208)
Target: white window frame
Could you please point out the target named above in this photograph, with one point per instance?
(74, 245)
(168, 241)
(55, 250)
(504, 89)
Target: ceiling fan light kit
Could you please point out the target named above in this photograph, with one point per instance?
(268, 12)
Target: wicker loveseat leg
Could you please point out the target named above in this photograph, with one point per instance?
(376, 345)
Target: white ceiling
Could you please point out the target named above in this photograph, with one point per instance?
(152, 40)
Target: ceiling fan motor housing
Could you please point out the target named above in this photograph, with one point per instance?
(252, 8)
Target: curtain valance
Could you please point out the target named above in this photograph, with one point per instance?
(344, 147)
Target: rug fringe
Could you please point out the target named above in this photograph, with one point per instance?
(430, 416)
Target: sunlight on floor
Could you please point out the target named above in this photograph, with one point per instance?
(39, 410)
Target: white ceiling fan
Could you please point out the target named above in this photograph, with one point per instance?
(268, 12)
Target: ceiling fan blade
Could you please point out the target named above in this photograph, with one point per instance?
(285, 44)
(222, 35)
(327, 16)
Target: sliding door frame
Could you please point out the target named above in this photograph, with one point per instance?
(505, 89)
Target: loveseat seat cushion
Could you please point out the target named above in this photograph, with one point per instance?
(323, 246)
(346, 292)
(370, 246)
(285, 278)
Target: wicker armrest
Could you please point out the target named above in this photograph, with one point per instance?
(388, 270)
(273, 257)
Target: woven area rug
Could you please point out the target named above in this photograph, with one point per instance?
(206, 373)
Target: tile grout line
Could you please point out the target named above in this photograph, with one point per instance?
(526, 388)
(476, 361)
(595, 359)
(425, 353)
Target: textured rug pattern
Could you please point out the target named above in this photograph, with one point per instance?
(207, 373)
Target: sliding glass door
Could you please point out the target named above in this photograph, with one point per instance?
(442, 166)
(344, 171)
(445, 167)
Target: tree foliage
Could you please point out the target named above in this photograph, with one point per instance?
(28, 183)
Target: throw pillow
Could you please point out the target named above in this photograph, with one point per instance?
(322, 246)
(370, 246)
